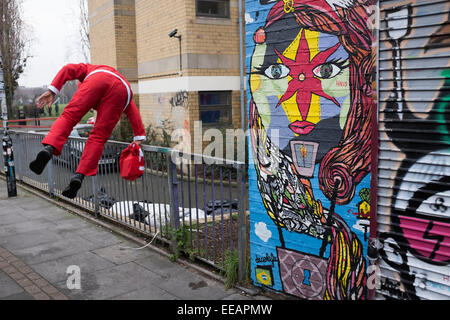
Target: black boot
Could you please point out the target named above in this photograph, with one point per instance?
(74, 185)
(42, 158)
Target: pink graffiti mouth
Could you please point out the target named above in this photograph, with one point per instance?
(301, 127)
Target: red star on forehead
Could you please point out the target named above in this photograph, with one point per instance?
(304, 82)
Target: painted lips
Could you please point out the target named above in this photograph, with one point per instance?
(301, 127)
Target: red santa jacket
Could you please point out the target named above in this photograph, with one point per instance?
(81, 71)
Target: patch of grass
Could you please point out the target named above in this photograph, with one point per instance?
(230, 266)
(87, 116)
(182, 236)
(61, 108)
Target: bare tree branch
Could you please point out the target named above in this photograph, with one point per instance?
(84, 29)
(12, 46)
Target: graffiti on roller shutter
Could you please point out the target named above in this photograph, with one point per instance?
(310, 96)
(418, 238)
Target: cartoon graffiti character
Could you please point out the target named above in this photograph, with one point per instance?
(311, 85)
(420, 200)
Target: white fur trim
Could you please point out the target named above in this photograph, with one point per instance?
(139, 138)
(53, 89)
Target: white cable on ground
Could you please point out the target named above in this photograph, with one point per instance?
(123, 248)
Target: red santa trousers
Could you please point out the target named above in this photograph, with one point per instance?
(108, 95)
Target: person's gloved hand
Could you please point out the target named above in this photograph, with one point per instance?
(45, 99)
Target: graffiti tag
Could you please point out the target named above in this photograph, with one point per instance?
(180, 99)
(267, 258)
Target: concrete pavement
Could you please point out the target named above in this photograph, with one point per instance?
(48, 252)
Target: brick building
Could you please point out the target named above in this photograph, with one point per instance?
(176, 81)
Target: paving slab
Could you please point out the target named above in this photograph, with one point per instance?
(70, 224)
(123, 253)
(12, 210)
(35, 203)
(160, 265)
(40, 240)
(26, 226)
(54, 250)
(29, 239)
(99, 235)
(190, 286)
(19, 296)
(55, 271)
(111, 282)
(235, 296)
(183, 282)
(8, 286)
(149, 293)
(49, 213)
(10, 219)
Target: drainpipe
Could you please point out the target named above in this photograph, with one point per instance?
(181, 64)
(374, 244)
(241, 65)
(242, 237)
(173, 34)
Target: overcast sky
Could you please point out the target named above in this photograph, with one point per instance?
(53, 28)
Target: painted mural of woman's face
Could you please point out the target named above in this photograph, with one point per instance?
(299, 79)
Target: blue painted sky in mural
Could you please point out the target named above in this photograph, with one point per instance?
(309, 244)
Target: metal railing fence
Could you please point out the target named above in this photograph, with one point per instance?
(194, 203)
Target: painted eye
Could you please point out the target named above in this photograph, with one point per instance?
(327, 70)
(277, 71)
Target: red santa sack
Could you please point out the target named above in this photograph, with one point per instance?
(132, 162)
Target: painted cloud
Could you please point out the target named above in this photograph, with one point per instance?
(262, 232)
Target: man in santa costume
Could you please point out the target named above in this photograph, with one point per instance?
(105, 90)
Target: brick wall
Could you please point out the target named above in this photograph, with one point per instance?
(133, 37)
(154, 21)
(200, 36)
(102, 32)
(113, 35)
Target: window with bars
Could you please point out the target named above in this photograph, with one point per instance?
(213, 8)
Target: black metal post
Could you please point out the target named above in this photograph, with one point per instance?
(242, 223)
(8, 158)
(173, 199)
